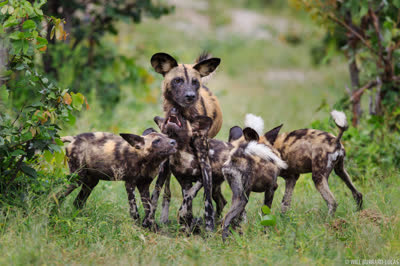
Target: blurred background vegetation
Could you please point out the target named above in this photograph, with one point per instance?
(290, 62)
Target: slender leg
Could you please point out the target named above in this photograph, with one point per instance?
(239, 198)
(239, 203)
(185, 211)
(166, 200)
(145, 196)
(269, 194)
(321, 183)
(130, 190)
(290, 183)
(219, 200)
(86, 189)
(342, 173)
(201, 148)
(163, 174)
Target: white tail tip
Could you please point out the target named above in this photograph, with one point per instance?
(255, 122)
(264, 152)
(339, 118)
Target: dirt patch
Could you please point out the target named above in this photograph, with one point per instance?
(338, 224)
(373, 216)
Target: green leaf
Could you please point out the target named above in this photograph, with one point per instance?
(3, 93)
(1, 141)
(59, 142)
(265, 209)
(71, 119)
(48, 156)
(396, 3)
(26, 136)
(4, 3)
(29, 24)
(268, 220)
(17, 153)
(59, 156)
(10, 22)
(28, 171)
(77, 100)
(16, 35)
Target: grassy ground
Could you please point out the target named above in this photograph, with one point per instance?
(260, 73)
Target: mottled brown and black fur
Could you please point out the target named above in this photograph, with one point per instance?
(251, 167)
(128, 157)
(318, 152)
(185, 164)
(183, 90)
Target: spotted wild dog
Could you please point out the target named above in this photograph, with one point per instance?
(128, 157)
(183, 89)
(315, 151)
(185, 164)
(252, 167)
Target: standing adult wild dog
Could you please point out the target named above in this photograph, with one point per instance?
(183, 90)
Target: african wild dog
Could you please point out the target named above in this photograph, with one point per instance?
(251, 167)
(315, 151)
(128, 157)
(183, 90)
(185, 165)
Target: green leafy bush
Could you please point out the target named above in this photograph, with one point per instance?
(31, 127)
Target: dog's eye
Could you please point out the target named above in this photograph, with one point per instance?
(177, 81)
(157, 141)
(195, 83)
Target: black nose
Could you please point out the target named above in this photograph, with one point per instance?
(172, 142)
(190, 96)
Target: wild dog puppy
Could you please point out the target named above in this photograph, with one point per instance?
(251, 167)
(128, 157)
(315, 151)
(185, 165)
(183, 90)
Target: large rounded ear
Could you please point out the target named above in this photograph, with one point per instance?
(235, 133)
(159, 121)
(148, 131)
(201, 124)
(134, 140)
(206, 67)
(273, 134)
(250, 134)
(163, 63)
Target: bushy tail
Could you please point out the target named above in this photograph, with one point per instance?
(341, 122)
(254, 122)
(67, 139)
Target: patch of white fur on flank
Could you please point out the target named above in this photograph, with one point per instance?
(339, 118)
(264, 152)
(255, 122)
(332, 158)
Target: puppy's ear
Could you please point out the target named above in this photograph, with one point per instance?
(163, 63)
(148, 131)
(235, 133)
(134, 140)
(206, 67)
(250, 134)
(201, 124)
(273, 134)
(159, 121)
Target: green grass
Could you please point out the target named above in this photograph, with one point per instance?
(103, 232)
